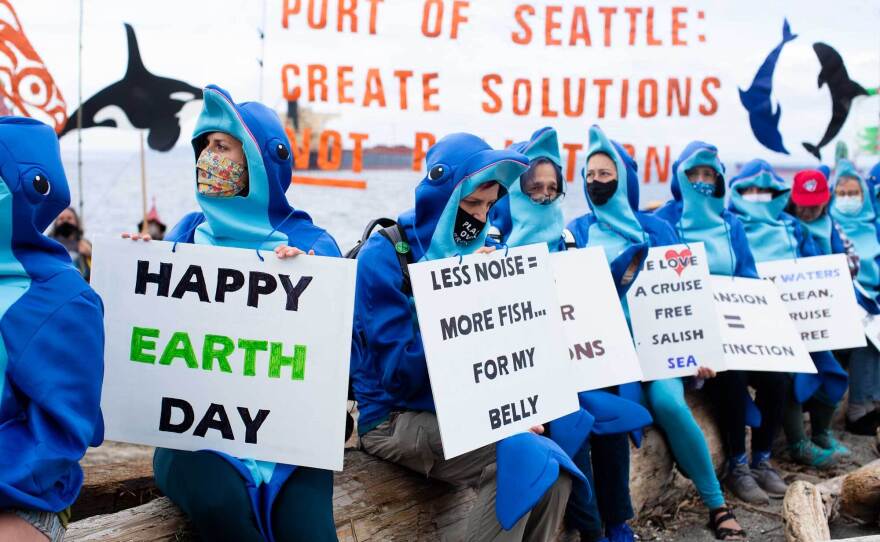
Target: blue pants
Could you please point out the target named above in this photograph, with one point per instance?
(864, 375)
(686, 439)
(604, 460)
(213, 494)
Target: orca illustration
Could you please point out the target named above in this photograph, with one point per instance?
(756, 100)
(843, 90)
(150, 102)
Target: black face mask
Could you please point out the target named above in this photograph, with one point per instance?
(600, 193)
(66, 229)
(467, 227)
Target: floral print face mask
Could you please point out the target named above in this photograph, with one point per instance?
(219, 176)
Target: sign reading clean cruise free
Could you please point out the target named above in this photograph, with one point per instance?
(599, 343)
(818, 293)
(755, 330)
(672, 312)
(493, 339)
(211, 348)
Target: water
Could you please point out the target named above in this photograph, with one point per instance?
(112, 193)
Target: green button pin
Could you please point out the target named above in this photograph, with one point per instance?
(402, 247)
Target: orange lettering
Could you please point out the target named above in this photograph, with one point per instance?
(712, 108)
(579, 29)
(526, 36)
(300, 153)
(550, 25)
(343, 11)
(571, 159)
(517, 110)
(607, 13)
(678, 25)
(342, 84)
(424, 141)
(647, 105)
(578, 108)
(373, 90)
(630, 150)
(653, 158)
(633, 14)
(290, 94)
(374, 8)
(652, 41)
(402, 76)
(426, 14)
(683, 102)
(357, 153)
(624, 98)
(330, 153)
(428, 91)
(495, 105)
(545, 99)
(322, 21)
(457, 17)
(603, 85)
(317, 79)
(287, 10)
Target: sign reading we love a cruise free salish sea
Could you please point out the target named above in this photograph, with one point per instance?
(672, 312)
(212, 348)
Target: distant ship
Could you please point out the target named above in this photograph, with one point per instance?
(299, 118)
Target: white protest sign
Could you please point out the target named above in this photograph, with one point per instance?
(599, 343)
(494, 344)
(755, 329)
(672, 312)
(818, 293)
(211, 348)
(871, 324)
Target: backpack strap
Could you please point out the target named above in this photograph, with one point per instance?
(397, 237)
(569, 240)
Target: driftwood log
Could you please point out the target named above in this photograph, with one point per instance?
(803, 514)
(860, 494)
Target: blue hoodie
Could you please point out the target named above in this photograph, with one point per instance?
(775, 235)
(518, 219)
(51, 331)
(703, 218)
(261, 220)
(772, 233)
(861, 229)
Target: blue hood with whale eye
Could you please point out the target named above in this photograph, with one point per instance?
(860, 228)
(456, 165)
(521, 221)
(263, 218)
(51, 331)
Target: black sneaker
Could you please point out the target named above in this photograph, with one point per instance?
(866, 425)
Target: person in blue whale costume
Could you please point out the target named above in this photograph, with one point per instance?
(696, 212)
(243, 169)
(809, 204)
(532, 213)
(51, 342)
(625, 234)
(758, 197)
(854, 211)
(389, 375)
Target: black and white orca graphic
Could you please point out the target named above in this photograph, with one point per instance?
(148, 101)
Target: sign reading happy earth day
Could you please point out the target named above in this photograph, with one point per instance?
(818, 293)
(211, 348)
(672, 312)
(599, 343)
(493, 339)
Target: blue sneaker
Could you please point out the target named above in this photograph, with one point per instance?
(620, 533)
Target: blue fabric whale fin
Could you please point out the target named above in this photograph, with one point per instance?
(528, 465)
(753, 415)
(614, 414)
(831, 378)
(571, 431)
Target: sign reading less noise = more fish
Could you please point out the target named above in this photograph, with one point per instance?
(211, 348)
(496, 353)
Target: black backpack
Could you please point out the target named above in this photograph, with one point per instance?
(392, 231)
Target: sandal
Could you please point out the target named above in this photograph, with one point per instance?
(719, 516)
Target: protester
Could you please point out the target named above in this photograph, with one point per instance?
(852, 209)
(625, 234)
(155, 226)
(51, 343)
(389, 375)
(532, 213)
(243, 169)
(758, 198)
(67, 230)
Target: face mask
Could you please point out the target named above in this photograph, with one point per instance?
(705, 189)
(219, 176)
(600, 193)
(760, 197)
(467, 228)
(848, 205)
(66, 229)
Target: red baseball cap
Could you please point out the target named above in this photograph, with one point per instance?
(810, 188)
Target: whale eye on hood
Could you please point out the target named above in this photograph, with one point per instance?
(437, 173)
(278, 150)
(41, 184)
(282, 152)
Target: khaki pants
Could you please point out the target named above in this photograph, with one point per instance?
(412, 439)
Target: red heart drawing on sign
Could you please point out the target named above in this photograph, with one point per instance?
(678, 260)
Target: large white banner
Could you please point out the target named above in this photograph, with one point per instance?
(673, 313)
(755, 328)
(211, 348)
(820, 298)
(493, 339)
(599, 343)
